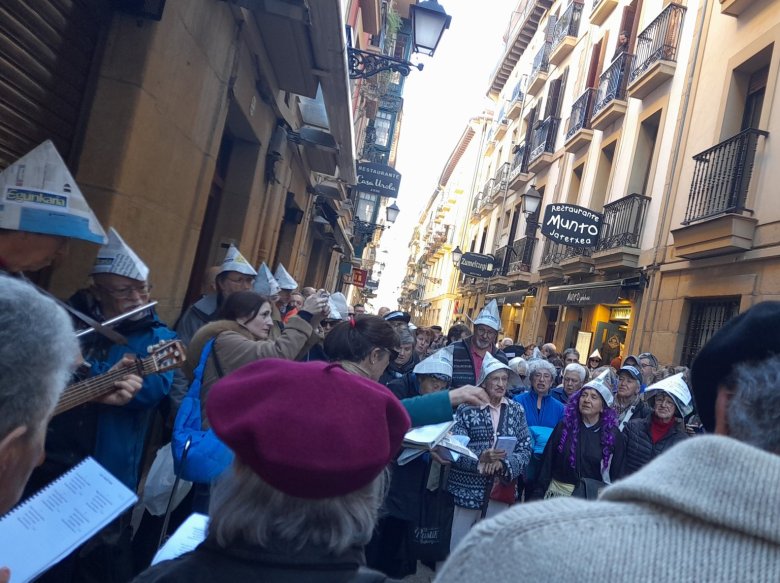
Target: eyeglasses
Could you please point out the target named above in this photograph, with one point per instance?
(542, 375)
(124, 293)
(238, 280)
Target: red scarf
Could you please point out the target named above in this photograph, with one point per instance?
(658, 428)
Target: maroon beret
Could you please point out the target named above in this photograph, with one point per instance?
(309, 429)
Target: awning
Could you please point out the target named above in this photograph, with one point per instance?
(502, 298)
(585, 294)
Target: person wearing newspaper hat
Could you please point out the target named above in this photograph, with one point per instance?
(429, 376)
(670, 400)
(42, 210)
(302, 497)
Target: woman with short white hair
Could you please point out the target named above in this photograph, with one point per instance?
(520, 366)
(574, 376)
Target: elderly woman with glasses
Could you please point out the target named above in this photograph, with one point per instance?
(670, 400)
(406, 359)
(542, 412)
(574, 376)
(471, 480)
(586, 450)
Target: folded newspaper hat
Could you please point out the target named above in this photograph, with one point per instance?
(491, 364)
(603, 385)
(285, 279)
(118, 258)
(39, 195)
(333, 311)
(340, 301)
(676, 387)
(438, 363)
(595, 354)
(489, 316)
(294, 425)
(234, 261)
(265, 282)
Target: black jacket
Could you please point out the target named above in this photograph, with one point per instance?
(210, 563)
(640, 448)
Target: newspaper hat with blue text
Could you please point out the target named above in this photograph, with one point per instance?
(439, 363)
(39, 195)
(602, 385)
(266, 283)
(491, 364)
(489, 316)
(234, 261)
(338, 301)
(676, 387)
(285, 279)
(118, 258)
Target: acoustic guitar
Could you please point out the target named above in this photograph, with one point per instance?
(162, 357)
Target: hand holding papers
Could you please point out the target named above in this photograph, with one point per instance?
(421, 439)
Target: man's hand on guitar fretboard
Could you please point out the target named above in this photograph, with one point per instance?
(125, 388)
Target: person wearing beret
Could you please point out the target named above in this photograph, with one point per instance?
(628, 402)
(302, 497)
(670, 400)
(705, 510)
(366, 345)
(242, 335)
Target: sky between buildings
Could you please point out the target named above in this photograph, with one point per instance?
(438, 102)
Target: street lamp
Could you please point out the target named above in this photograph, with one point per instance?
(429, 21)
(530, 201)
(457, 255)
(392, 213)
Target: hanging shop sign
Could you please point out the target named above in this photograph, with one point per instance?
(477, 265)
(359, 277)
(572, 225)
(378, 179)
(584, 296)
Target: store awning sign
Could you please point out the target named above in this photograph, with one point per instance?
(585, 296)
(359, 277)
(378, 179)
(572, 225)
(477, 265)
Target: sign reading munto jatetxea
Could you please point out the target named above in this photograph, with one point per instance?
(572, 225)
(378, 179)
(477, 265)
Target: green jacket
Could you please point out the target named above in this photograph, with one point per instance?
(429, 409)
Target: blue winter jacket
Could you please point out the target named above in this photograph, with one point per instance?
(540, 422)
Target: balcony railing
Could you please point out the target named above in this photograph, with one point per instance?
(501, 178)
(721, 177)
(595, 5)
(519, 161)
(541, 60)
(487, 192)
(517, 93)
(568, 24)
(521, 254)
(623, 222)
(500, 255)
(659, 41)
(477, 203)
(554, 252)
(543, 139)
(580, 113)
(612, 83)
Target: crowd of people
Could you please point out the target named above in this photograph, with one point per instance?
(310, 398)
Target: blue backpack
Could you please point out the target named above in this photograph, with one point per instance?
(207, 457)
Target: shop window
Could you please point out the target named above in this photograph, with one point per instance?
(706, 317)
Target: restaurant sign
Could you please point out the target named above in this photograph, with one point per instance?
(477, 265)
(584, 296)
(572, 225)
(378, 179)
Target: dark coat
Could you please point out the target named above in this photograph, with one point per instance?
(640, 448)
(210, 563)
(555, 464)
(463, 372)
(393, 371)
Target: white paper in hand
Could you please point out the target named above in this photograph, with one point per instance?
(189, 535)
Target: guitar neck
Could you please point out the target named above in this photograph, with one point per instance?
(101, 385)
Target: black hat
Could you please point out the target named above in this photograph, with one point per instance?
(398, 316)
(750, 337)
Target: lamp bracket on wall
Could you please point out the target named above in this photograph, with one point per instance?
(363, 64)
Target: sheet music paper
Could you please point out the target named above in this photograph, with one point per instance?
(49, 525)
(189, 535)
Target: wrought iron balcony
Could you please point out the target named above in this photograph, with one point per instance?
(501, 178)
(515, 102)
(543, 139)
(623, 222)
(721, 177)
(521, 255)
(568, 24)
(500, 255)
(580, 113)
(519, 161)
(540, 68)
(660, 41)
(612, 83)
(554, 252)
(477, 203)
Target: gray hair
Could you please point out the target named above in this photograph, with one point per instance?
(754, 411)
(244, 508)
(569, 351)
(540, 365)
(405, 335)
(518, 363)
(38, 351)
(578, 368)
